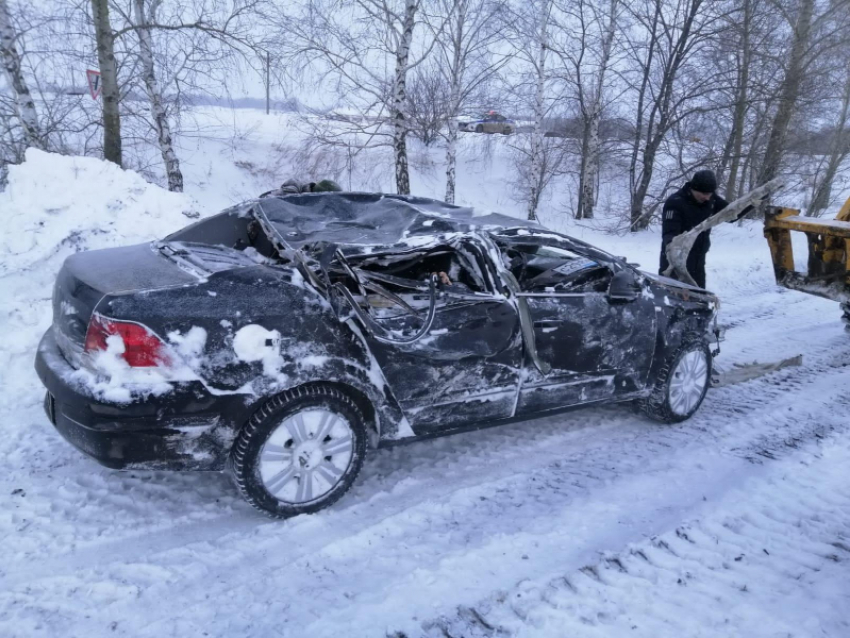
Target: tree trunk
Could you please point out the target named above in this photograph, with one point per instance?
(590, 165)
(837, 154)
(456, 73)
(739, 117)
(402, 171)
(789, 94)
(536, 169)
(581, 211)
(591, 145)
(108, 81)
(636, 213)
(451, 159)
(11, 60)
(661, 114)
(160, 119)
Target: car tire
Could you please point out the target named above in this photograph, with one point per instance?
(278, 462)
(682, 383)
(845, 315)
(507, 131)
(479, 129)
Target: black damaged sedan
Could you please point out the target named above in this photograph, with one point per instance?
(284, 337)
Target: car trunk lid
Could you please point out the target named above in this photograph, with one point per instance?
(85, 278)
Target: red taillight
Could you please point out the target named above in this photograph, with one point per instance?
(142, 348)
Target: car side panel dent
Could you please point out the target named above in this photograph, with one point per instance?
(266, 331)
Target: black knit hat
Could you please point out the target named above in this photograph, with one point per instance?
(704, 181)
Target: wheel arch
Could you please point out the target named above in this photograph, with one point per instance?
(357, 395)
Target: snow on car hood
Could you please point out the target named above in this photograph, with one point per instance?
(370, 219)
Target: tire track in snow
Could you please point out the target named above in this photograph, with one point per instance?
(740, 569)
(583, 473)
(547, 447)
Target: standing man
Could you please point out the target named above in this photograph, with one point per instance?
(695, 202)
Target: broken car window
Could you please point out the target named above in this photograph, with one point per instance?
(541, 269)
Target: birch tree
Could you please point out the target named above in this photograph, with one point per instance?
(144, 17)
(670, 35)
(466, 33)
(587, 59)
(25, 105)
(165, 46)
(530, 25)
(790, 91)
(364, 49)
(541, 46)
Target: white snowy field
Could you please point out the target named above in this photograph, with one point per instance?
(599, 523)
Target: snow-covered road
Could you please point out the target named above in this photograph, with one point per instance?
(596, 523)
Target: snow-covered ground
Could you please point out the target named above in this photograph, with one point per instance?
(595, 524)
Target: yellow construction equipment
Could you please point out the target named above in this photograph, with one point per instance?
(828, 267)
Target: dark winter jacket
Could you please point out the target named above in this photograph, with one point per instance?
(682, 212)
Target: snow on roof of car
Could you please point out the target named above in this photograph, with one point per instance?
(371, 219)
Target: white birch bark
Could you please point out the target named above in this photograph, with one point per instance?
(590, 160)
(24, 103)
(402, 171)
(455, 78)
(451, 162)
(536, 159)
(160, 118)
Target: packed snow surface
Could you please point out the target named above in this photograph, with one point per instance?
(598, 523)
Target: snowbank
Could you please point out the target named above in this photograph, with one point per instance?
(54, 206)
(54, 201)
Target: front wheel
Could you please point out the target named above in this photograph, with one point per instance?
(681, 385)
(300, 452)
(845, 316)
(479, 129)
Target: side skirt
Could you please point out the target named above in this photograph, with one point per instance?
(484, 425)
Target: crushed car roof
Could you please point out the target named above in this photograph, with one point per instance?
(371, 219)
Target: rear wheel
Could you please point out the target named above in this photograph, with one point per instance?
(845, 316)
(300, 452)
(682, 384)
(507, 130)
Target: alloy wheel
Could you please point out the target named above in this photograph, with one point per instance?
(688, 382)
(306, 456)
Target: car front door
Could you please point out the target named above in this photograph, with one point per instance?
(592, 347)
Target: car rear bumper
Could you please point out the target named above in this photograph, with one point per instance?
(185, 429)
